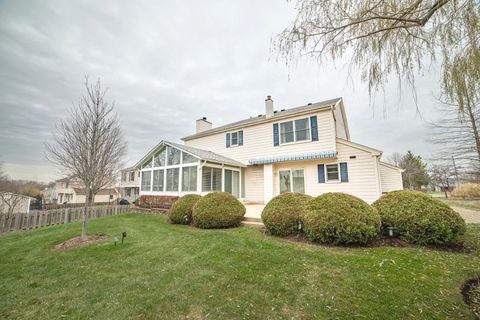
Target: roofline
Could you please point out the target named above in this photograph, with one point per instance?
(344, 116)
(137, 165)
(386, 164)
(359, 146)
(254, 123)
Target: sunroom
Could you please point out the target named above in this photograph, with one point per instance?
(172, 169)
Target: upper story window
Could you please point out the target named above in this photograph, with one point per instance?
(132, 176)
(234, 139)
(295, 130)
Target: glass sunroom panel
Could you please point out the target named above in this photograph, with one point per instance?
(146, 176)
(216, 179)
(206, 179)
(159, 159)
(188, 158)
(172, 179)
(298, 181)
(236, 183)
(158, 180)
(189, 178)
(173, 156)
(228, 181)
(285, 181)
(148, 164)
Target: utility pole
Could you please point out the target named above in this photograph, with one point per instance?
(456, 172)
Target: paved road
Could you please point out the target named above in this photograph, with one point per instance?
(470, 216)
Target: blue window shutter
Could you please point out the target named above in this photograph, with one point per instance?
(314, 128)
(343, 172)
(240, 138)
(228, 140)
(321, 173)
(275, 135)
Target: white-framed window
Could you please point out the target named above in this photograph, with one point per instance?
(159, 158)
(332, 172)
(232, 182)
(295, 130)
(234, 139)
(173, 156)
(211, 179)
(146, 179)
(189, 178)
(158, 180)
(132, 176)
(292, 181)
(172, 179)
(188, 158)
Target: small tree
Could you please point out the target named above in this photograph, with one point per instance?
(440, 175)
(89, 144)
(415, 175)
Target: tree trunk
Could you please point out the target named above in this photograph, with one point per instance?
(85, 213)
(473, 122)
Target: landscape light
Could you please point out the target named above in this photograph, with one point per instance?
(124, 235)
(390, 231)
(115, 239)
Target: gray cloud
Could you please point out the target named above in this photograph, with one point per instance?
(166, 64)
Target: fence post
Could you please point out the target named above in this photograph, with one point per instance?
(65, 218)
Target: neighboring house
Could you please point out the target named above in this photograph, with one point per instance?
(14, 203)
(129, 185)
(305, 149)
(72, 190)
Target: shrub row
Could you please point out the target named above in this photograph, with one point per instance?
(215, 210)
(338, 218)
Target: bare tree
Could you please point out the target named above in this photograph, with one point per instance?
(384, 37)
(89, 144)
(395, 159)
(440, 175)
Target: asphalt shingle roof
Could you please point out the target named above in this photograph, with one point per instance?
(205, 154)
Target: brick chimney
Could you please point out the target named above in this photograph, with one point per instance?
(203, 125)
(269, 107)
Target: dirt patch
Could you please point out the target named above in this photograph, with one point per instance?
(471, 295)
(79, 242)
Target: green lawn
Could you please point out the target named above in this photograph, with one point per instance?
(169, 271)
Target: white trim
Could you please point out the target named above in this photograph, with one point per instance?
(338, 171)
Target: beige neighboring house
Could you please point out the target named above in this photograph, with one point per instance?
(129, 185)
(14, 203)
(71, 190)
(307, 149)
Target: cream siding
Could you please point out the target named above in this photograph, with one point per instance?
(254, 184)
(340, 124)
(362, 174)
(258, 140)
(390, 178)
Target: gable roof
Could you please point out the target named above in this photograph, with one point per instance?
(359, 146)
(276, 116)
(389, 165)
(199, 153)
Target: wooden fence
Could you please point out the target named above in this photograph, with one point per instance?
(38, 219)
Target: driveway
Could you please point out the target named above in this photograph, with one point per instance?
(470, 216)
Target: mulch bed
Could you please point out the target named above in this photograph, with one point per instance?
(471, 295)
(79, 242)
(384, 241)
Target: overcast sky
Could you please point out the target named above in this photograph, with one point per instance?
(168, 63)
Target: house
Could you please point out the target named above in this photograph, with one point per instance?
(129, 185)
(71, 190)
(306, 149)
(11, 203)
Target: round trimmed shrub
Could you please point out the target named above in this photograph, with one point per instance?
(218, 210)
(340, 218)
(418, 218)
(283, 214)
(181, 210)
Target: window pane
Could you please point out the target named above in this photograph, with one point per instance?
(206, 179)
(286, 132)
(148, 164)
(159, 159)
(216, 179)
(172, 179)
(298, 181)
(146, 175)
(173, 156)
(188, 158)
(189, 178)
(332, 172)
(234, 138)
(284, 181)
(236, 183)
(302, 130)
(228, 181)
(158, 180)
